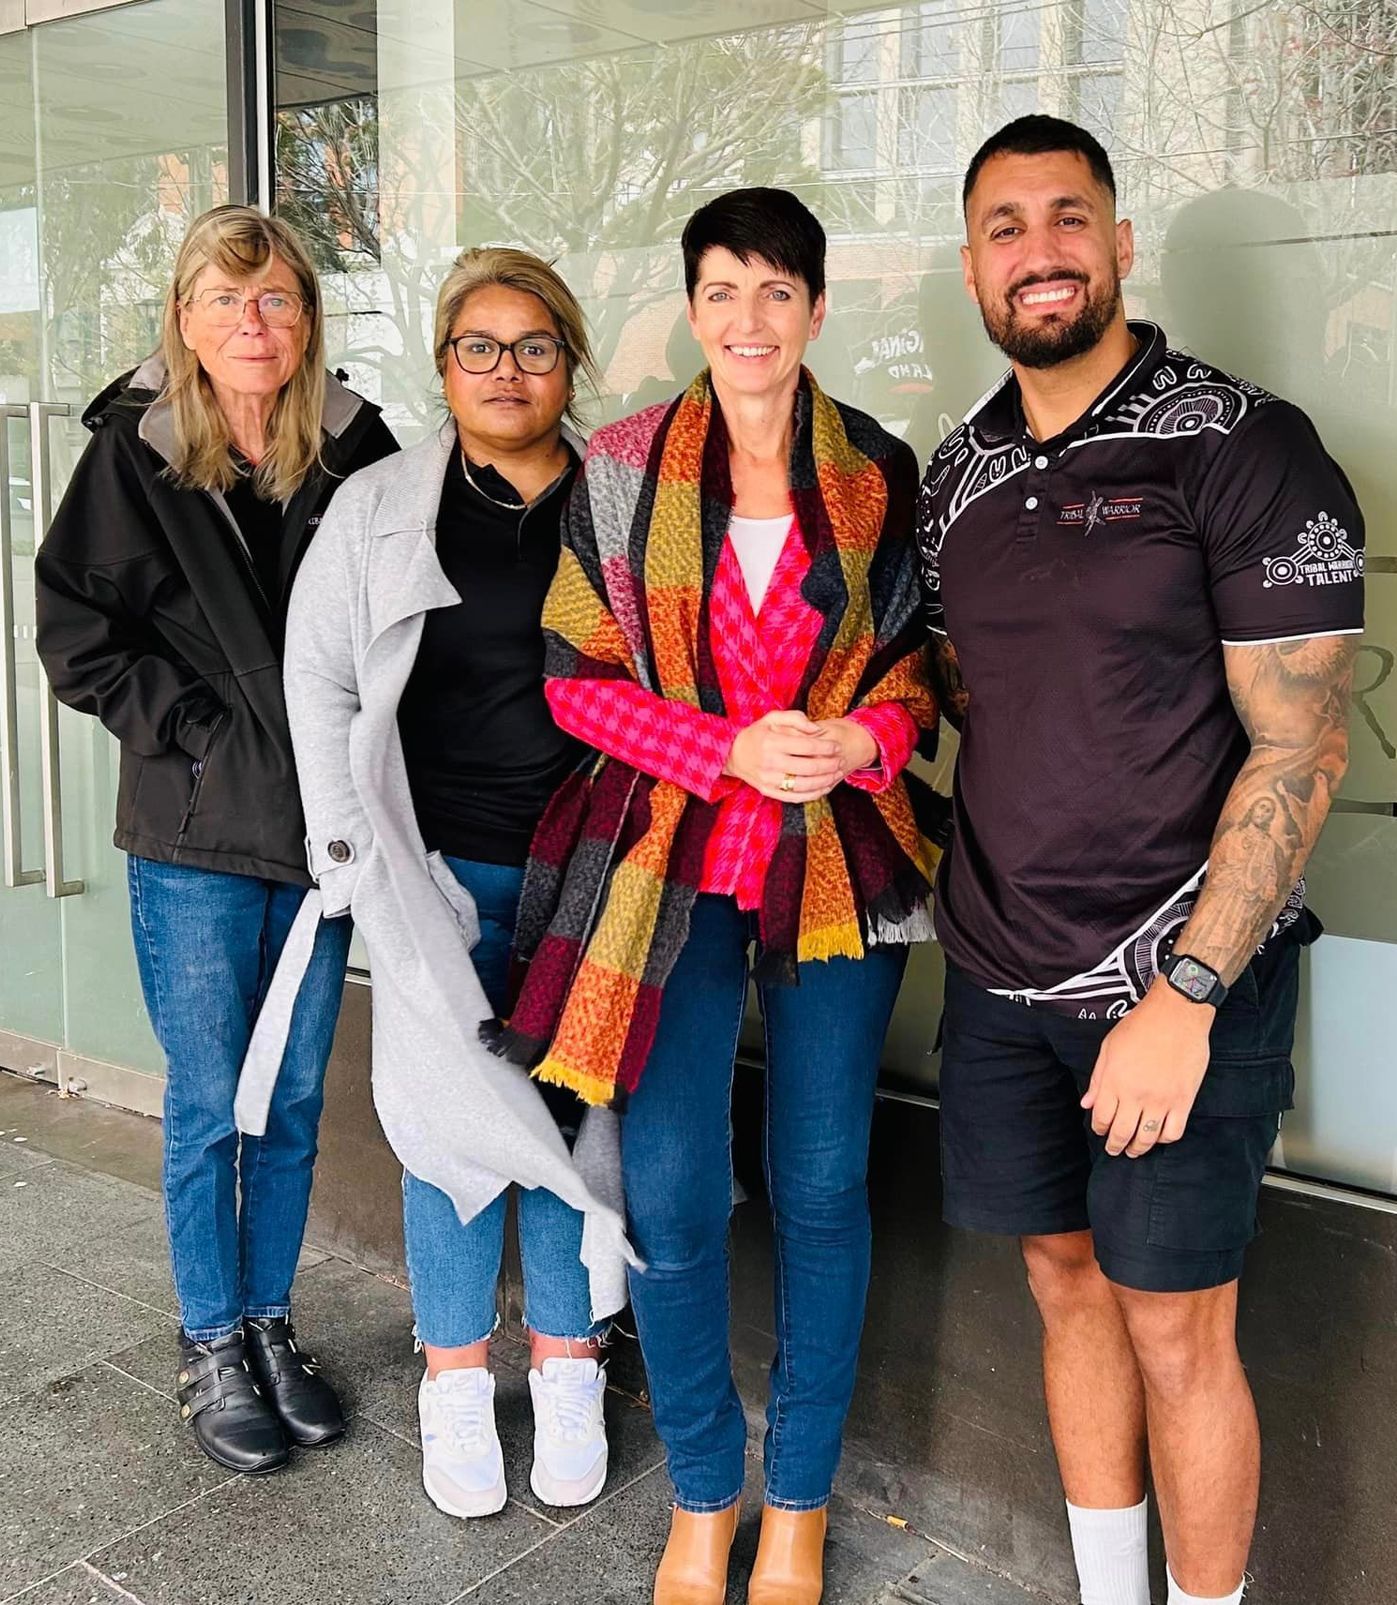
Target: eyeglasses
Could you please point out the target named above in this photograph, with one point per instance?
(278, 309)
(534, 353)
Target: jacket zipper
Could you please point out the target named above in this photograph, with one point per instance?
(200, 768)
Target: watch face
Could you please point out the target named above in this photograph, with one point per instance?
(1192, 978)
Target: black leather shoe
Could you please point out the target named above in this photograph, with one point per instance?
(234, 1423)
(291, 1379)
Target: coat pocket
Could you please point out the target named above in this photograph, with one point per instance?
(198, 768)
(461, 901)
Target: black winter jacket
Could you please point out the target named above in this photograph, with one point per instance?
(151, 617)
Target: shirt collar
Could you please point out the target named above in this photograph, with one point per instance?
(999, 416)
(498, 489)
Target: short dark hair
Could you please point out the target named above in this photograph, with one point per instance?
(771, 224)
(1037, 136)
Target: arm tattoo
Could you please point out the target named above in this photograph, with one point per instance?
(946, 680)
(1293, 699)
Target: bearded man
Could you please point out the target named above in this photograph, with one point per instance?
(1144, 581)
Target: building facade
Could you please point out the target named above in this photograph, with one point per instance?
(1256, 147)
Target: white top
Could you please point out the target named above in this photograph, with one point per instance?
(758, 543)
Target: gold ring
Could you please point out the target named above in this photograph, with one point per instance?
(788, 783)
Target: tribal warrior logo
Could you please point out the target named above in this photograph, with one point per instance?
(1324, 557)
(1099, 510)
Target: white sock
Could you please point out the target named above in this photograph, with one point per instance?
(1112, 1560)
(1178, 1597)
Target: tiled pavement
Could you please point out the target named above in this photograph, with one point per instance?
(104, 1499)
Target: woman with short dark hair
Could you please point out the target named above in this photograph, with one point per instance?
(162, 591)
(734, 626)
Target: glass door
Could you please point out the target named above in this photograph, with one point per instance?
(31, 958)
(97, 187)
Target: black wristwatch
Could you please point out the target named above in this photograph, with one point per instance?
(1195, 980)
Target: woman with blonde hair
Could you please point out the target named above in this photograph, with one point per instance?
(414, 681)
(162, 592)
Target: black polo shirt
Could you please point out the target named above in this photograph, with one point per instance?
(1089, 583)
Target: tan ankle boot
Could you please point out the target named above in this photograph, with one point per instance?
(790, 1564)
(694, 1567)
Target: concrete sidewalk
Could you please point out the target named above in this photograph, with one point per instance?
(104, 1498)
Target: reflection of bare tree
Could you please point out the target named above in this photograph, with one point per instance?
(595, 161)
(327, 178)
(110, 232)
(598, 162)
(1285, 91)
(1233, 119)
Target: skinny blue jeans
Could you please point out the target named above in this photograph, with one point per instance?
(453, 1269)
(823, 1041)
(206, 945)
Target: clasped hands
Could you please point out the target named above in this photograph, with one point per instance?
(791, 758)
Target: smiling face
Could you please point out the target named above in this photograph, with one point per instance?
(507, 410)
(753, 321)
(1045, 257)
(247, 358)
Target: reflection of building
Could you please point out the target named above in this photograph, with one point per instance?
(631, 117)
(1256, 144)
(915, 89)
(411, 129)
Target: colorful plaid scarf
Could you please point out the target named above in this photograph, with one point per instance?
(617, 858)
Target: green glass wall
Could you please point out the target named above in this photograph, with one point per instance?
(1258, 157)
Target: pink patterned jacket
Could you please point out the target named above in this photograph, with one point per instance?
(760, 660)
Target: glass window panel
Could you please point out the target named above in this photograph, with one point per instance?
(1019, 40)
(856, 51)
(1098, 95)
(1344, 1126)
(98, 183)
(1372, 770)
(854, 133)
(1101, 29)
(927, 135)
(1018, 97)
(931, 44)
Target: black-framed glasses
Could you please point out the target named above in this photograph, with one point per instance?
(533, 353)
(278, 309)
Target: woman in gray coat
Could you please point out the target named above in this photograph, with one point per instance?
(426, 752)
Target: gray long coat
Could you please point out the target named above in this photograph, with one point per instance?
(455, 1115)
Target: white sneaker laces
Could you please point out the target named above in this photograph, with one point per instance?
(569, 1409)
(462, 1424)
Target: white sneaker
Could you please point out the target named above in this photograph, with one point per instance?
(462, 1467)
(569, 1431)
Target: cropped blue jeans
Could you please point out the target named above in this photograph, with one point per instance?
(453, 1269)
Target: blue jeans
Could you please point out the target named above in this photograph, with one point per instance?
(823, 1040)
(206, 946)
(454, 1269)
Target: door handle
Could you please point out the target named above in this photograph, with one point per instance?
(11, 848)
(56, 886)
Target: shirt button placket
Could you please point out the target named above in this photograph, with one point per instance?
(1035, 484)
